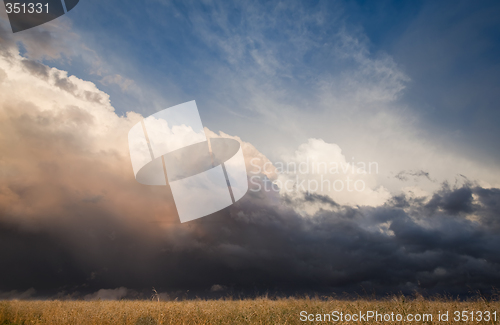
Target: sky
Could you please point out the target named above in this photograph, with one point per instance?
(411, 87)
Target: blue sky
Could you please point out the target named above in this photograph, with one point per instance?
(178, 51)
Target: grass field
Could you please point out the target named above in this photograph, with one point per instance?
(252, 311)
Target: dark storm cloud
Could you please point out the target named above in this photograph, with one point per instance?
(262, 244)
(489, 206)
(75, 223)
(454, 202)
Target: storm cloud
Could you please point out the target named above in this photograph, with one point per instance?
(75, 223)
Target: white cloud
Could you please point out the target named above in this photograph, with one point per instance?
(308, 164)
(62, 146)
(321, 168)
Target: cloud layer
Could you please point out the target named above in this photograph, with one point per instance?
(73, 221)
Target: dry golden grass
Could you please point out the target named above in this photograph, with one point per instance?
(251, 311)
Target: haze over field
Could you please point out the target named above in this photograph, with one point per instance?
(412, 88)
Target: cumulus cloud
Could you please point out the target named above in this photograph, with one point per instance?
(64, 127)
(324, 169)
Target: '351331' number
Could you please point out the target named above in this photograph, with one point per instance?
(26, 8)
